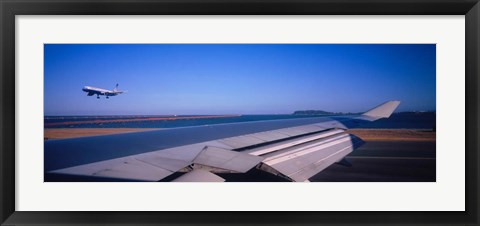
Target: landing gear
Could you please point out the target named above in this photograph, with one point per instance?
(98, 97)
(107, 97)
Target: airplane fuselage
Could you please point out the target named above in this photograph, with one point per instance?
(90, 90)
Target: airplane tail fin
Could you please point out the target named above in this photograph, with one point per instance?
(383, 111)
(116, 88)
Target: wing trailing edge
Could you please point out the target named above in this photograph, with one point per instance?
(309, 157)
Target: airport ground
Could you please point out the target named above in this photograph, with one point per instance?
(386, 161)
(389, 155)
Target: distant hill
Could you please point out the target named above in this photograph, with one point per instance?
(320, 112)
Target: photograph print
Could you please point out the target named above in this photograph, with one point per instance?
(239, 113)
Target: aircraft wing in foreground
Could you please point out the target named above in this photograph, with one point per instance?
(293, 149)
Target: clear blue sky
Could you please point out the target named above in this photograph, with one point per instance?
(238, 78)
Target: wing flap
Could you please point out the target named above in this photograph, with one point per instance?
(291, 142)
(198, 175)
(301, 162)
(225, 159)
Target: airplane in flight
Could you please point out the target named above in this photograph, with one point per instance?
(287, 149)
(97, 91)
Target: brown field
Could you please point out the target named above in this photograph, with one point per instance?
(393, 134)
(63, 133)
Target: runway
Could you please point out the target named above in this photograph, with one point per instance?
(386, 161)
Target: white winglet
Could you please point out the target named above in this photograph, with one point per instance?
(384, 110)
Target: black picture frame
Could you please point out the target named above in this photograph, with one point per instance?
(9, 9)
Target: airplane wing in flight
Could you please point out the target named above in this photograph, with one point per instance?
(293, 149)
